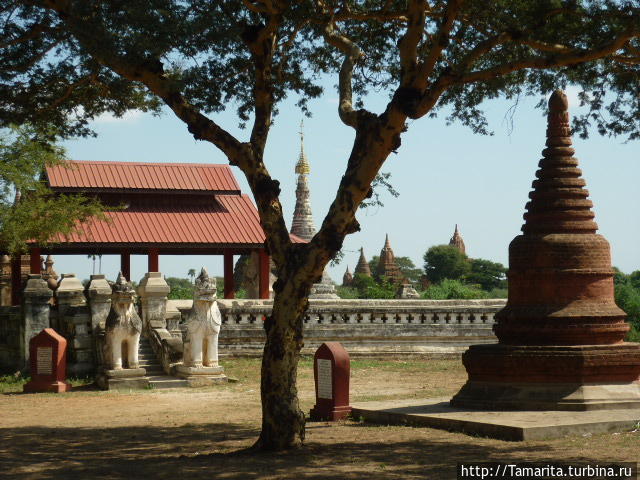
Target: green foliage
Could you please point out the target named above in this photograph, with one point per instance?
(628, 298)
(192, 274)
(498, 293)
(347, 292)
(60, 67)
(39, 214)
(489, 275)
(453, 289)
(368, 287)
(181, 288)
(445, 261)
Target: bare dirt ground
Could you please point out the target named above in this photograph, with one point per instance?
(204, 433)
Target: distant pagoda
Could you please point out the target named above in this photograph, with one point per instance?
(302, 224)
(387, 265)
(362, 267)
(456, 241)
(347, 278)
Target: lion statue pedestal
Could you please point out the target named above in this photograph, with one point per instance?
(200, 361)
(122, 338)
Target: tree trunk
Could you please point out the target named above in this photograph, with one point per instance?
(282, 420)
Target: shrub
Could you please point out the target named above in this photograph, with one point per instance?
(453, 289)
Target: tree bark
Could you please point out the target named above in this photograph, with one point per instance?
(283, 423)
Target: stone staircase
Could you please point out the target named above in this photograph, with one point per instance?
(155, 374)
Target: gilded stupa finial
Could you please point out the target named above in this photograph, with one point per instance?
(302, 167)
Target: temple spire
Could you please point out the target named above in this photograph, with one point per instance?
(457, 241)
(302, 223)
(387, 265)
(347, 278)
(559, 200)
(302, 167)
(362, 267)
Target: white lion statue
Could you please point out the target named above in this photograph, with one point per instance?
(203, 325)
(122, 327)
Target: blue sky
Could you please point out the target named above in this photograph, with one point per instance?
(445, 175)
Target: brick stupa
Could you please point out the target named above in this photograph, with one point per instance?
(362, 268)
(561, 335)
(457, 241)
(387, 266)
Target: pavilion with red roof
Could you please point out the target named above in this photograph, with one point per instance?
(162, 208)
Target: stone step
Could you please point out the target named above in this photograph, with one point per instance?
(146, 363)
(163, 381)
(146, 355)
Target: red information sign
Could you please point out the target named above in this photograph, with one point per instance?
(48, 359)
(331, 368)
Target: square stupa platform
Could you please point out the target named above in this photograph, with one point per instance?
(511, 425)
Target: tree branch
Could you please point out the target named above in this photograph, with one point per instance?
(408, 45)
(571, 57)
(352, 53)
(33, 32)
(441, 40)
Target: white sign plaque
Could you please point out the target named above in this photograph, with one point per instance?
(43, 361)
(324, 379)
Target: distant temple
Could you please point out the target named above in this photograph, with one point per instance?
(302, 224)
(347, 278)
(456, 241)
(387, 266)
(362, 267)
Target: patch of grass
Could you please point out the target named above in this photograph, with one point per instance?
(12, 383)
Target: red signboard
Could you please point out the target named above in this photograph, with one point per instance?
(48, 359)
(331, 369)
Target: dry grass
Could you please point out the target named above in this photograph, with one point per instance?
(203, 433)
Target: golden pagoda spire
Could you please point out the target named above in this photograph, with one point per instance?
(302, 167)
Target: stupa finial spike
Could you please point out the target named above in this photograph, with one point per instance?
(559, 200)
(558, 102)
(302, 167)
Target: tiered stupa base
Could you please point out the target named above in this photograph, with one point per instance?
(325, 290)
(528, 377)
(201, 376)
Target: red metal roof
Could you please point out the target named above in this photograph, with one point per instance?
(90, 175)
(234, 221)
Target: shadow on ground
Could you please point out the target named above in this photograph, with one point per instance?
(217, 450)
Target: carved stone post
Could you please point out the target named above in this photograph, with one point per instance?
(153, 291)
(99, 293)
(70, 293)
(36, 312)
(74, 323)
(99, 298)
(5, 281)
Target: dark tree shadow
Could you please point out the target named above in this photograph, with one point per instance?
(220, 450)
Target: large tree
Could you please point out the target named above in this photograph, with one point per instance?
(68, 60)
(28, 209)
(445, 262)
